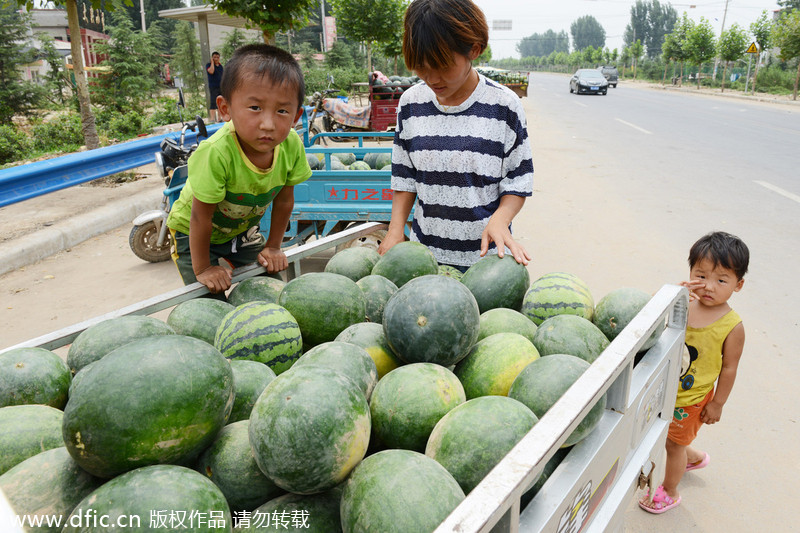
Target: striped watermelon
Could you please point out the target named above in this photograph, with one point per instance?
(263, 332)
(557, 293)
(451, 271)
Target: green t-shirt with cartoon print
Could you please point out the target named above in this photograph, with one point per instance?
(220, 173)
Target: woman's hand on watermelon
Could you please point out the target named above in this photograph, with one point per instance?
(216, 278)
(497, 231)
(273, 259)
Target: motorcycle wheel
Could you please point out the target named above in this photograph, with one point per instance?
(143, 241)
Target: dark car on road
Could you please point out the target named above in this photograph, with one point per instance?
(588, 80)
(610, 74)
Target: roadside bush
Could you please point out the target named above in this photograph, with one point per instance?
(774, 79)
(14, 144)
(316, 79)
(165, 111)
(119, 125)
(61, 134)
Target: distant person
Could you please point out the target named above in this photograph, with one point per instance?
(214, 70)
(714, 343)
(253, 160)
(461, 148)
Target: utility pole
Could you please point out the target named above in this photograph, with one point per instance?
(724, 16)
(324, 47)
(141, 12)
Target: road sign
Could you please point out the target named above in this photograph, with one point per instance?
(753, 49)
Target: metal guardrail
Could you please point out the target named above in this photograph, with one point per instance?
(41, 177)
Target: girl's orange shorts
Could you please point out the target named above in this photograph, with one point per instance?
(686, 421)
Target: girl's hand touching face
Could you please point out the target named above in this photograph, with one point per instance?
(693, 285)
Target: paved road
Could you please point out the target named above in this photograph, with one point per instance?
(648, 172)
(624, 184)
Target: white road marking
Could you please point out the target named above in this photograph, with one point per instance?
(581, 104)
(782, 192)
(634, 126)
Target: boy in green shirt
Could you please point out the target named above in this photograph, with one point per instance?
(255, 159)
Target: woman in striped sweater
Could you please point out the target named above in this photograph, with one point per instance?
(461, 147)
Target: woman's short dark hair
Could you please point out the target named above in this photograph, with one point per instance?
(262, 60)
(724, 249)
(436, 29)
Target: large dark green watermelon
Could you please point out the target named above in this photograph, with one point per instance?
(154, 498)
(398, 491)
(497, 282)
(155, 400)
(542, 383)
(33, 376)
(49, 484)
(309, 429)
(432, 319)
(324, 304)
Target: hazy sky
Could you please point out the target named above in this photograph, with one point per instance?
(538, 16)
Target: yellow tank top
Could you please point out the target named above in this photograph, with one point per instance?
(705, 359)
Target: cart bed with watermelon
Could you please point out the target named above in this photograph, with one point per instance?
(596, 479)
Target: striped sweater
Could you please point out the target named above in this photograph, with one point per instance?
(459, 161)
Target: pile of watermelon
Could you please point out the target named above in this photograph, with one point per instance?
(348, 161)
(372, 396)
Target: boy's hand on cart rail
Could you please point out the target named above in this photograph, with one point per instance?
(216, 278)
(273, 259)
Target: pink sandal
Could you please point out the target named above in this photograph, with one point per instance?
(662, 502)
(701, 464)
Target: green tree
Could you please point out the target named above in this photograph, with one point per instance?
(636, 52)
(369, 21)
(651, 21)
(786, 36)
(188, 59)
(701, 46)
(340, 55)
(393, 48)
(134, 66)
(679, 42)
(730, 47)
(56, 79)
(16, 95)
(88, 126)
(762, 33)
(543, 44)
(586, 31)
(270, 16)
(151, 9)
(234, 39)
(789, 4)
